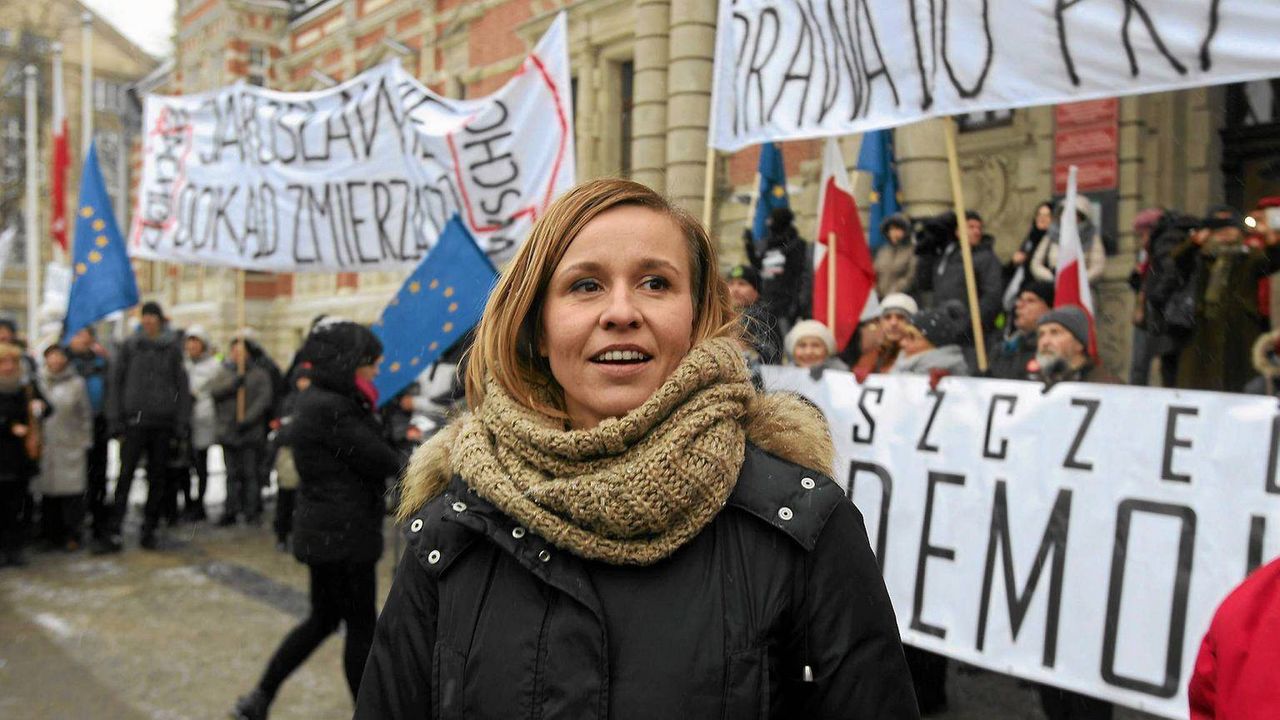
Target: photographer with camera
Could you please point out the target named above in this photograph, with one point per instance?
(941, 268)
(783, 267)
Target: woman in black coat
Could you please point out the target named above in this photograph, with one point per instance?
(20, 401)
(622, 526)
(343, 462)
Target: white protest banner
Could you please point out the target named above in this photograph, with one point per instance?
(790, 69)
(1081, 537)
(362, 176)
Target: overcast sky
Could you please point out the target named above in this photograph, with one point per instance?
(148, 23)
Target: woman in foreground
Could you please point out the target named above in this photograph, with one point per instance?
(621, 526)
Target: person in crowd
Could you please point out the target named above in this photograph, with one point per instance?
(149, 400)
(343, 462)
(762, 337)
(287, 478)
(1063, 356)
(1266, 360)
(895, 261)
(945, 276)
(1016, 272)
(202, 368)
(242, 428)
(67, 435)
(1062, 349)
(22, 405)
(896, 311)
(90, 361)
(1013, 355)
(864, 347)
(1168, 294)
(536, 503)
(397, 420)
(931, 343)
(1235, 672)
(9, 334)
(810, 344)
(1144, 224)
(1223, 275)
(783, 268)
(1044, 263)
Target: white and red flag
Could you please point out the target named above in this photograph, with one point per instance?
(1071, 279)
(853, 276)
(61, 160)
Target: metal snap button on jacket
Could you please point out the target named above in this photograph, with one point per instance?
(459, 506)
(807, 483)
(416, 525)
(544, 556)
(784, 513)
(433, 557)
(517, 532)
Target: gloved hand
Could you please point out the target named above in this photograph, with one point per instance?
(861, 375)
(935, 376)
(238, 382)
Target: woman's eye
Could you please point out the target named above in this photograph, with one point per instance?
(656, 283)
(585, 286)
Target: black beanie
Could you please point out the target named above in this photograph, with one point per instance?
(336, 349)
(942, 325)
(745, 272)
(1041, 288)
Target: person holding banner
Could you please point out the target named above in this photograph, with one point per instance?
(1062, 349)
(622, 526)
(1012, 356)
(810, 344)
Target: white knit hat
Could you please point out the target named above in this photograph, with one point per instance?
(901, 302)
(810, 328)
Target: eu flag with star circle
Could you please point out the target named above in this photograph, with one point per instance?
(102, 280)
(439, 302)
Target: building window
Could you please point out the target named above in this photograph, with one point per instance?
(1253, 104)
(984, 120)
(257, 58)
(626, 93)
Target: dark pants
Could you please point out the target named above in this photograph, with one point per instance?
(13, 494)
(61, 517)
(929, 676)
(95, 491)
(154, 443)
(339, 593)
(200, 460)
(244, 483)
(1062, 704)
(285, 499)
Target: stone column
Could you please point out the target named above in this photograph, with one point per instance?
(649, 112)
(922, 167)
(692, 50)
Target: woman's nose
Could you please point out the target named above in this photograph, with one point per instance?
(621, 310)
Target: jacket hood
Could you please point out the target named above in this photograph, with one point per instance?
(1265, 359)
(334, 350)
(783, 424)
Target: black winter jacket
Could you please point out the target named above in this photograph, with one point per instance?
(486, 620)
(149, 384)
(946, 278)
(343, 464)
(15, 466)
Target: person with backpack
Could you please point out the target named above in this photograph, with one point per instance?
(242, 428)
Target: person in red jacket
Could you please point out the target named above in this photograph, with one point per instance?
(1236, 672)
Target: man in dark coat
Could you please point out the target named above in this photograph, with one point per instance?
(149, 401)
(1062, 350)
(90, 361)
(782, 267)
(243, 437)
(343, 463)
(1011, 357)
(945, 275)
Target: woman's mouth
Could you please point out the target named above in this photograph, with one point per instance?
(621, 357)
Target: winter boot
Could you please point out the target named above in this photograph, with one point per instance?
(252, 706)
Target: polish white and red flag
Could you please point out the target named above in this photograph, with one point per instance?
(61, 160)
(854, 280)
(1071, 279)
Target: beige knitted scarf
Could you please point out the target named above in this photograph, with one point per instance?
(631, 490)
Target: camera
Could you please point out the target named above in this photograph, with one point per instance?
(934, 233)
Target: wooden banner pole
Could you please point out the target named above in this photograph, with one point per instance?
(962, 236)
(708, 188)
(244, 350)
(831, 283)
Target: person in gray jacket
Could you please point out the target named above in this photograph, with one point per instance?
(148, 402)
(202, 367)
(243, 437)
(931, 345)
(67, 435)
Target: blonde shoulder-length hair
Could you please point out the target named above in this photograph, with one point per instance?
(506, 341)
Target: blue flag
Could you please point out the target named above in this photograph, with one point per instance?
(772, 192)
(439, 302)
(103, 279)
(876, 157)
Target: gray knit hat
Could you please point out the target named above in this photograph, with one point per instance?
(1071, 317)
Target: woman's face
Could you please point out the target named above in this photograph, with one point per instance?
(913, 342)
(8, 367)
(56, 362)
(368, 372)
(618, 313)
(810, 352)
(1044, 217)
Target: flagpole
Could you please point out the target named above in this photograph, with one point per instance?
(86, 81)
(831, 283)
(708, 188)
(244, 349)
(962, 235)
(31, 217)
(62, 254)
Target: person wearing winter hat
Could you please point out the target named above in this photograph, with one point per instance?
(1011, 356)
(931, 343)
(1062, 349)
(810, 344)
(782, 267)
(895, 261)
(202, 367)
(896, 311)
(762, 339)
(343, 461)
(1045, 260)
(242, 428)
